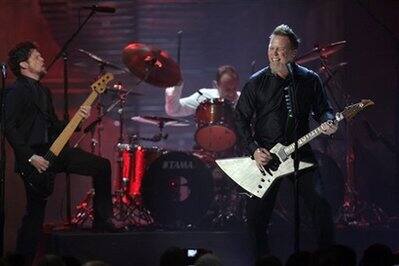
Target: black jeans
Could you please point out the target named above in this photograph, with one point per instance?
(259, 212)
(74, 161)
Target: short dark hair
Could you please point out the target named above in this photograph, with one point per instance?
(226, 69)
(284, 30)
(21, 52)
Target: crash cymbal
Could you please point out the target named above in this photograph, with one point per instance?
(152, 64)
(159, 120)
(320, 52)
(101, 61)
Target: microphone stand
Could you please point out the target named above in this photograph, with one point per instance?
(66, 119)
(63, 53)
(294, 105)
(378, 136)
(3, 74)
(179, 35)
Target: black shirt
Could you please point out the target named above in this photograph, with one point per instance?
(30, 117)
(40, 128)
(262, 102)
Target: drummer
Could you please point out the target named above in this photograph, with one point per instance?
(226, 86)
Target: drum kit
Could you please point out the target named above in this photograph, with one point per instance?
(161, 188)
(165, 189)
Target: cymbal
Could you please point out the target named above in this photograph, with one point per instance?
(320, 52)
(161, 121)
(152, 64)
(101, 61)
(115, 90)
(333, 68)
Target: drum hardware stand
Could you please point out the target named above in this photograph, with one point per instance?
(155, 138)
(128, 210)
(142, 65)
(160, 136)
(125, 208)
(228, 210)
(354, 212)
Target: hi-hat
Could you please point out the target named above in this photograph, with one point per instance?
(320, 52)
(161, 121)
(151, 64)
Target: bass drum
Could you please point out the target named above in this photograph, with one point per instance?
(178, 190)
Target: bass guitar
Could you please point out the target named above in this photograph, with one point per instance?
(43, 183)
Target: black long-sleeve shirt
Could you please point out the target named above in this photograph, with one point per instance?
(262, 103)
(30, 118)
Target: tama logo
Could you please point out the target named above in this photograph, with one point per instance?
(178, 165)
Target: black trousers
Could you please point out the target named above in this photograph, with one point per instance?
(259, 212)
(74, 161)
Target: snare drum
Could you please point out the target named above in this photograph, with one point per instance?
(135, 160)
(215, 125)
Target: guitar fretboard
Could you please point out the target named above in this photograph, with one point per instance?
(65, 135)
(308, 137)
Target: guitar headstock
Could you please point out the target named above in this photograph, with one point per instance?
(352, 110)
(101, 84)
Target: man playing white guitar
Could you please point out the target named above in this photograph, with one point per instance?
(265, 97)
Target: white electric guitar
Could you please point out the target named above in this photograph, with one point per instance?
(257, 180)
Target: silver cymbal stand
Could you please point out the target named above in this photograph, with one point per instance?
(354, 212)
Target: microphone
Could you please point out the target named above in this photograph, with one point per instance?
(253, 66)
(101, 9)
(290, 67)
(3, 67)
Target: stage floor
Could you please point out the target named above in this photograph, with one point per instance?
(233, 248)
(145, 248)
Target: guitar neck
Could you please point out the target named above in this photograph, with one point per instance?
(66, 134)
(304, 140)
(308, 137)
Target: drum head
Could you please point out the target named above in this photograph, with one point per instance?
(215, 138)
(177, 189)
